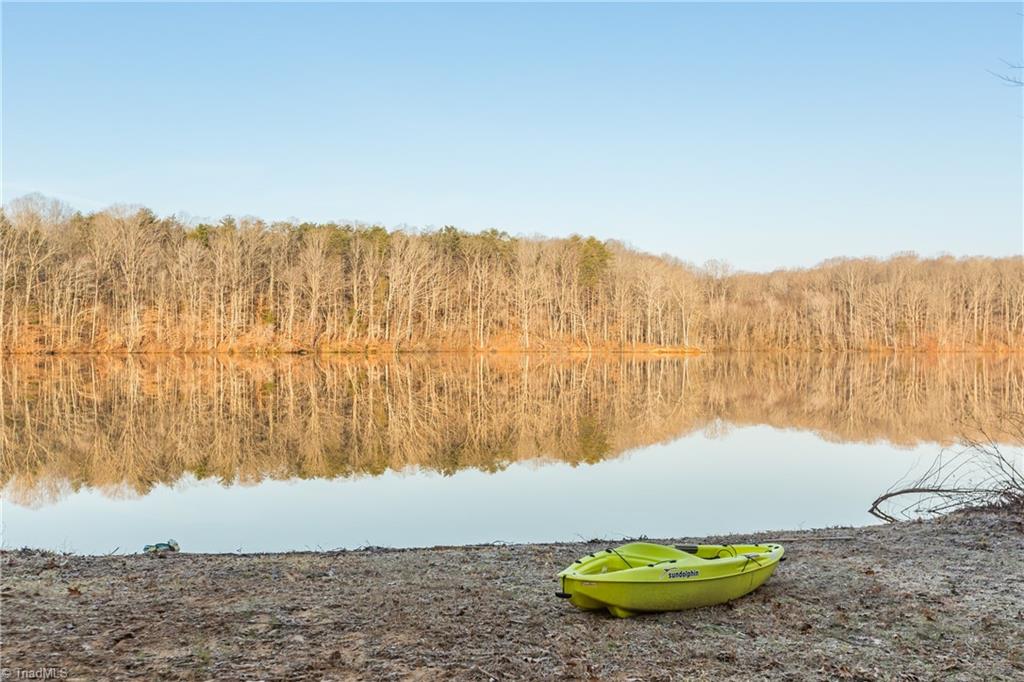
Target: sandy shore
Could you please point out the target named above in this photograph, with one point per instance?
(913, 601)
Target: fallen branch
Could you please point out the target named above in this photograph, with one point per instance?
(979, 475)
(835, 538)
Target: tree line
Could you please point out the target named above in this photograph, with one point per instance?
(127, 280)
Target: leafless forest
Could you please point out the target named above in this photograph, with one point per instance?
(127, 423)
(124, 279)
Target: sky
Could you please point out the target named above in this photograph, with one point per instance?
(765, 135)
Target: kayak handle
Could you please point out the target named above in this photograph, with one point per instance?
(563, 595)
(689, 549)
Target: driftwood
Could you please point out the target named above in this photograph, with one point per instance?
(811, 538)
(877, 512)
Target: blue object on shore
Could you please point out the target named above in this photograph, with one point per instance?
(169, 546)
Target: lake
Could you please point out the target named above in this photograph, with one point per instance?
(255, 453)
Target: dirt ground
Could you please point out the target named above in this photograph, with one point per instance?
(942, 599)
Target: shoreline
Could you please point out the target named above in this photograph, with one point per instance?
(918, 599)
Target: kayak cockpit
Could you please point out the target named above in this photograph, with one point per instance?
(645, 554)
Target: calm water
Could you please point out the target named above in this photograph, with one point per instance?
(222, 454)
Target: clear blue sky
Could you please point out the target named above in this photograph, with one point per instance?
(765, 135)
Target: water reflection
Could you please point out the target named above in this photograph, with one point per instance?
(127, 424)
